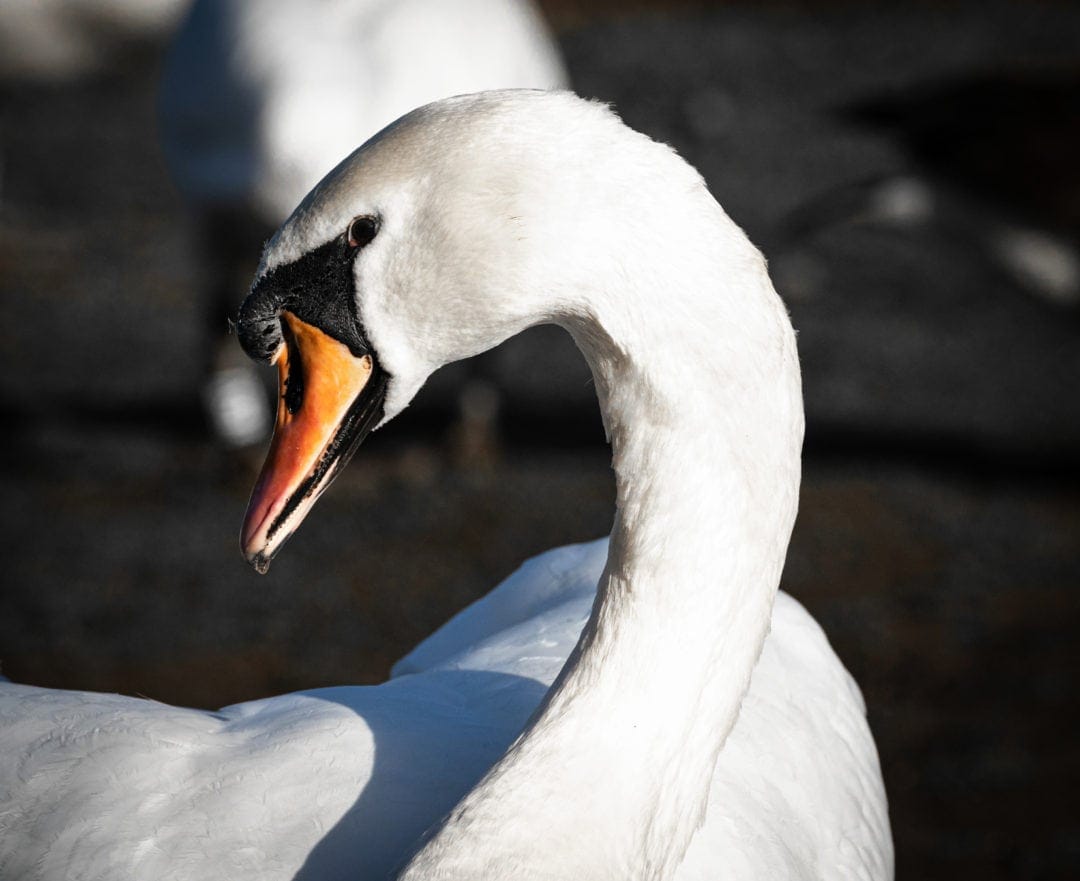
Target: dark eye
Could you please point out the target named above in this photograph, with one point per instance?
(362, 230)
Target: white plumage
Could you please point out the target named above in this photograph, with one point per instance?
(681, 739)
(261, 98)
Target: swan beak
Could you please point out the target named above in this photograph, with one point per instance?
(329, 400)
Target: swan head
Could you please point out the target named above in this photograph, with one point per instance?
(454, 228)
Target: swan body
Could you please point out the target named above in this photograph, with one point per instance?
(339, 782)
(633, 708)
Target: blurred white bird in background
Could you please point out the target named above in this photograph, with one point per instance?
(261, 98)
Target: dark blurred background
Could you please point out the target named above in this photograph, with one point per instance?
(912, 172)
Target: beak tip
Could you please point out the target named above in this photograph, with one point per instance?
(255, 550)
(259, 561)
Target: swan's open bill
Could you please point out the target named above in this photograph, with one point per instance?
(329, 399)
(330, 385)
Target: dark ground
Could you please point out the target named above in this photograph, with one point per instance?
(938, 536)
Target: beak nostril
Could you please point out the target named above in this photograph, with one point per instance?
(292, 386)
(294, 392)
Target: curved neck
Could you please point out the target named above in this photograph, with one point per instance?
(611, 777)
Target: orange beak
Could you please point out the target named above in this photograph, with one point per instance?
(330, 399)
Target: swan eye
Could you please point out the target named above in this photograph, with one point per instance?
(362, 230)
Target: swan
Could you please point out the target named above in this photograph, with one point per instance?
(645, 706)
(259, 99)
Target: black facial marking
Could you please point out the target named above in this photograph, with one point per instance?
(318, 289)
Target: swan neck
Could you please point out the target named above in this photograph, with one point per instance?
(705, 419)
(707, 477)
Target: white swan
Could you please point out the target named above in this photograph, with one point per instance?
(680, 738)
